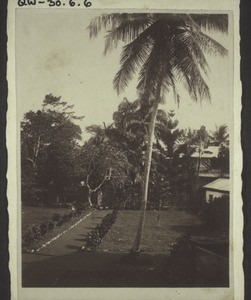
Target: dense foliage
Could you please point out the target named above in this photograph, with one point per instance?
(107, 170)
(48, 150)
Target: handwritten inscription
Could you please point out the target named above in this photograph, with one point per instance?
(54, 3)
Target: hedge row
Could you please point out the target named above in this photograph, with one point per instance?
(95, 236)
(36, 232)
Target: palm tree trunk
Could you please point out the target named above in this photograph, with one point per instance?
(136, 246)
(198, 171)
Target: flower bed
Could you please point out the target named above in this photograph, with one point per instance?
(95, 236)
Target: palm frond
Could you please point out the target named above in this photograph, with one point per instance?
(170, 82)
(188, 71)
(208, 44)
(188, 39)
(162, 117)
(149, 75)
(217, 22)
(220, 134)
(125, 32)
(133, 56)
(108, 22)
(104, 21)
(94, 129)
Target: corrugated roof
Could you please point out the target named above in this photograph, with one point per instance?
(221, 184)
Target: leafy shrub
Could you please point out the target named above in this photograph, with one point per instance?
(93, 238)
(81, 207)
(50, 226)
(65, 218)
(60, 222)
(27, 239)
(56, 217)
(69, 216)
(36, 232)
(43, 228)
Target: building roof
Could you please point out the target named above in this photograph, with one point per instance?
(209, 152)
(214, 173)
(221, 184)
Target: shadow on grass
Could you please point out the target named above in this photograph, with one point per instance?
(97, 269)
(74, 247)
(80, 240)
(93, 227)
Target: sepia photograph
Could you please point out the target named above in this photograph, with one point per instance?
(125, 131)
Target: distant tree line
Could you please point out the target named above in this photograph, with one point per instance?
(108, 168)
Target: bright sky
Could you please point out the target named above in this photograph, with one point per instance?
(55, 55)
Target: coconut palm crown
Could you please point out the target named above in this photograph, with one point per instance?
(170, 47)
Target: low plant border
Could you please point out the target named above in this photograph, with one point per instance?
(95, 236)
(37, 232)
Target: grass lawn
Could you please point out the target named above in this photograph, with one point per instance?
(105, 267)
(160, 231)
(36, 215)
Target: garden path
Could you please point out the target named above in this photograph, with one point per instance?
(68, 242)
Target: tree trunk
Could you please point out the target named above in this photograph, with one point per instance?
(92, 191)
(148, 159)
(89, 197)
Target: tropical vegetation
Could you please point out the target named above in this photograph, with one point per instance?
(161, 49)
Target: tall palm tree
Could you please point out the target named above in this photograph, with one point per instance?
(163, 49)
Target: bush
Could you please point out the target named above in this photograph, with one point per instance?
(60, 222)
(65, 218)
(56, 217)
(43, 228)
(81, 207)
(69, 216)
(27, 239)
(93, 238)
(36, 232)
(50, 226)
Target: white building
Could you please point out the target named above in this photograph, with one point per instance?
(216, 189)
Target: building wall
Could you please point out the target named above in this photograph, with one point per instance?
(210, 195)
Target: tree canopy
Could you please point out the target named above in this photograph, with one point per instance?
(48, 146)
